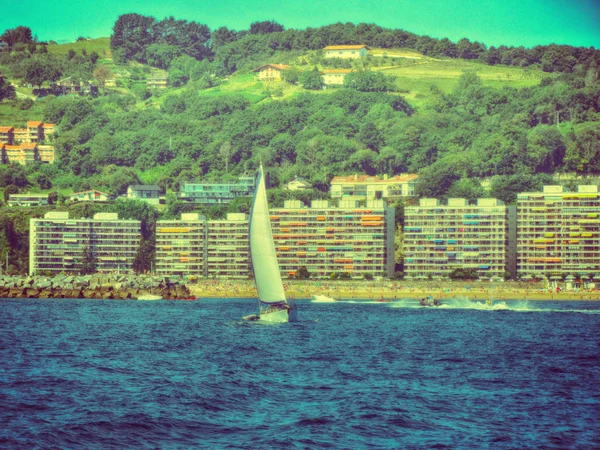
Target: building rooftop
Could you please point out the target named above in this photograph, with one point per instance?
(277, 66)
(144, 187)
(374, 179)
(333, 71)
(345, 47)
(29, 146)
(6, 129)
(91, 190)
(34, 124)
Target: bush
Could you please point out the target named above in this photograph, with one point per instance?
(368, 276)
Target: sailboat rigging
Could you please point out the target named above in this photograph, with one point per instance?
(273, 305)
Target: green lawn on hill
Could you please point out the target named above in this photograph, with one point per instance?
(100, 46)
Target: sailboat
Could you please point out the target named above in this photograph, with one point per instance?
(272, 303)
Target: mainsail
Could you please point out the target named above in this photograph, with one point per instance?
(262, 249)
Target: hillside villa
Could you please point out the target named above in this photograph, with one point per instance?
(90, 196)
(298, 184)
(28, 200)
(148, 193)
(335, 77)
(346, 51)
(271, 72)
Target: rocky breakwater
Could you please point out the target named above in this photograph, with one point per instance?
(92, 286)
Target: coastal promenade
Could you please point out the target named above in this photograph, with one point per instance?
(395, 289)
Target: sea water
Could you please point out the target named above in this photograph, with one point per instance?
(173, 374)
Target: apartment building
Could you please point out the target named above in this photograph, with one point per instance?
(26, 153)
(361, 187)
(441, 238)
(228, 250)
(559, 231)
(6, 135)
(326, 240)
(181, 246)
(194, 246)
(36, 131)
(346, 51)
(58, 244)
(218, 192)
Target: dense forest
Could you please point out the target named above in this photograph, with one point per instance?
(515, 139)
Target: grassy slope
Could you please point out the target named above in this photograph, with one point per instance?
(100, 46)
(414, 73)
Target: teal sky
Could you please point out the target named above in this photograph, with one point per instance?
(510, 22)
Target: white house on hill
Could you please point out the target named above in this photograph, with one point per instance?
(346, 51)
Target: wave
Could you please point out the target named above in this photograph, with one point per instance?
(498, 305)
(323, 299)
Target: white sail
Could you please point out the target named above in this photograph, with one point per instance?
(262, 249)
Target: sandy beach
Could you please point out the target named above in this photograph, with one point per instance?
(390, 290)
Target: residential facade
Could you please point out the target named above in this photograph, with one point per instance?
(28, 200)
(26, 145)
(26, 153)
(298, 184)
(194, 246)
(329, 240)
(345, 51)
(271, 72)
(6, 135)
(559, 231)
(321, 238)
(334, 77)
(227, 248)
(157, 82)
(90, 196)
(149, 193)
(181, 246)
(57, 243)
(361, 187)
(218, 192)
(441, 238)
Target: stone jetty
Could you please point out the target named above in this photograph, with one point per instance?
(102, 286)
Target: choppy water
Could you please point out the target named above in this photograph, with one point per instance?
(125, 374)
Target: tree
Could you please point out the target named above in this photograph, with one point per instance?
(369, 81)
(311, 79)
(7, 90)
(265, 27)
(144, 257)
(88, 262)
(9, 190)
(18, 35)
(71, 54)
(94, 57)
(101, 74)
(302, 273)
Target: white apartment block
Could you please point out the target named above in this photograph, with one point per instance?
(57, 243)
(441, 238)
